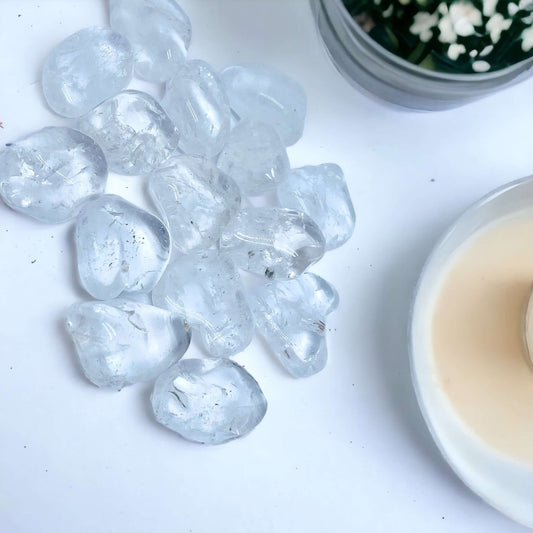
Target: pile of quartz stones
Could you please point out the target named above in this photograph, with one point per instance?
(215, 140)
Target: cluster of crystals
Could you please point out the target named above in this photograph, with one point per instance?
(198, 169)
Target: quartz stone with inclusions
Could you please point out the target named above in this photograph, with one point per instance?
(206, 291)
(195, 100)
(120, 342)
(159, 31)
(120, 247)
(291, 315)
(195, 199)
(134, 131)
(254, 157)
(210, 401)
(262, 93)
(275, 242)
(50, 173)
(321, 192)
(86, 68)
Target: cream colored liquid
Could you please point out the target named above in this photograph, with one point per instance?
(477, 335)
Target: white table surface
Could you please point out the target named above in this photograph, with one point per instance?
(345, 450)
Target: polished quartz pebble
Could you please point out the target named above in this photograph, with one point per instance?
(210, 401)
(275, 242)
(120, 247)
(159, 31)
(254, 157)
(321, 192)
(196, 102)
(134, 131)
(120, 342)
(195, 199)
(86, 68)
(291, 315)
(262, 93)
(206, 291)
(50, 173)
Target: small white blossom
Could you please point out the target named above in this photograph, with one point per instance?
(423, 25)
(480, 66)
(455, 50)
(447, 33)
(388, 12)
(486, 51)
(442, 8)
(489, 7)
(527, 39)
(512, 9)
(525, 4)
(461, 20)
(496, 25)
(473, 53)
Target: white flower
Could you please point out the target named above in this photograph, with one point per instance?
(455, 50)
(423, 25)
(461, 19)
(487, 50)
(512, 9)
(480, 66)
(525, 4)
(388, 12)
(489, 7)
(527, 39)
(447, 33)
(496, 24)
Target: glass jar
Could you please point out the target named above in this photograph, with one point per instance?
(367, 64)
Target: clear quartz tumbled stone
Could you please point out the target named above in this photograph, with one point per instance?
(210, 401)
(86, 68)
(262, 93)
(321, 192)
(120, 247)
(134, 131)
(254, 157)
(291, 315)
(50, 173)
(120, 342)
(275, 242)
(206, 291)
(159, 31)
(195, 199)
(195, 100)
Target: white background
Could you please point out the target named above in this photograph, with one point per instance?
(345, 450)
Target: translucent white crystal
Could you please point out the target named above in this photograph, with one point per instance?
(321, 192)
(265, 94)
(86, 68)
(120, 247)
(196, 102)
(254, 157)
(120, 342)
(159, 31)
(50, 173)
(195, 199)
(134, 131)
(291, 315)
(275, 242)
(211, 401)
(206, 291)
